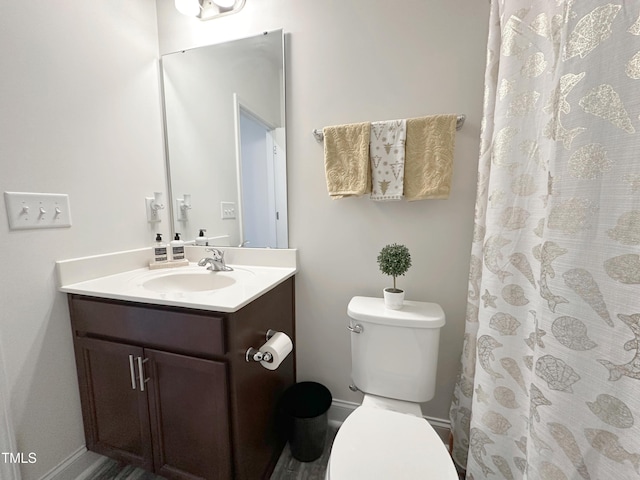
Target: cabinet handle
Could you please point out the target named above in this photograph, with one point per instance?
(132, 371)
(143, 380)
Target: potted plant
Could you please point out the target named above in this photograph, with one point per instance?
(394, 260)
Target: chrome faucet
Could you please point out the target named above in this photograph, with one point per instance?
(215, 262)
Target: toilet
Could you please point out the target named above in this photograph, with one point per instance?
(394, 357)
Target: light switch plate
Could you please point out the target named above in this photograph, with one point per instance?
(228, 210)
(37, 210)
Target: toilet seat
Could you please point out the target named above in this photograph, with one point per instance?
(373, 443)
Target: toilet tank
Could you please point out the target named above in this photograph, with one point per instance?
(395, 355)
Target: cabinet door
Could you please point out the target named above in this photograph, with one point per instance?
(189, 407)
(115, 410)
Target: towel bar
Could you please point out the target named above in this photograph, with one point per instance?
(317, 132)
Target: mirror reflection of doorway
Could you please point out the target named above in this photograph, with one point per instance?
(262, 175)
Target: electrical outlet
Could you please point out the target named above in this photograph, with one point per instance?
(37, 210)
(228, 210)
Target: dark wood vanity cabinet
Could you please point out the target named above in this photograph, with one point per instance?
(176, 425)
(169, 390)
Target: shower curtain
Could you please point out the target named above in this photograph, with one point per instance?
(549, 385)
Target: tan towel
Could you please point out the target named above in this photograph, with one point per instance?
(429, 157)
(346, 159)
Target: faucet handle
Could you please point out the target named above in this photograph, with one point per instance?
(217, 253)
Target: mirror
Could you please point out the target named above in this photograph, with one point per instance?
(224, 114)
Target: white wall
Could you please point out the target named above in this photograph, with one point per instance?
(79, 114)
(350, 62)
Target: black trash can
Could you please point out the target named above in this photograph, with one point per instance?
(305, 407)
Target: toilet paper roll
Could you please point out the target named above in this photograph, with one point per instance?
(279, 346)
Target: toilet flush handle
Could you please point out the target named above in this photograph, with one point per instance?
(355, 329)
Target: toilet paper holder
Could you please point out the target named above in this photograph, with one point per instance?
(255, 355)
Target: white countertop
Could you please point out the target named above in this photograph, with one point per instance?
(121, 275)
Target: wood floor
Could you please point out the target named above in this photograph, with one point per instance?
(98, 467)
(287, 468)
(103, 468)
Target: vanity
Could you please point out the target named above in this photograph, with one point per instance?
(163, 378)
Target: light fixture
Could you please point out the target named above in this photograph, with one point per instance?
(208, 9)
(190, 8)
(225, 3)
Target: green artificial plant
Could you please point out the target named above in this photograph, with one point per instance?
(394, 260)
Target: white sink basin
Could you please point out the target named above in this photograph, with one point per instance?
(193, 280)
(188, 282)
(120, 276)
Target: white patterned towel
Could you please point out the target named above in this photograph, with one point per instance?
(386, 151)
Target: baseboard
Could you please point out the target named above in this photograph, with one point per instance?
(441, 423)
(341, 409)
(54, 472)
(80, 465)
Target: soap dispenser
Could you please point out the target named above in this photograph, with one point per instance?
(160, 250)
(201, 240)
(177, 249)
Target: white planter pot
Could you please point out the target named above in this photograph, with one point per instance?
(393, 300)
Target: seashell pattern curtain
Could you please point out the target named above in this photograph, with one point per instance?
(549, 385)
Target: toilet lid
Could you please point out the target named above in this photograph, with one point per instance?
(381, 444)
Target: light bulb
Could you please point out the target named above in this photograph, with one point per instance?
(188, 7)
(225, 3)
